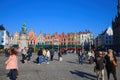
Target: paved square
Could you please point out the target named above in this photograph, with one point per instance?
(68, 69)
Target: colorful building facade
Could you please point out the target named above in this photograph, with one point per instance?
(32, 40)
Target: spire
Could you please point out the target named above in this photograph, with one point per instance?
(118, 6)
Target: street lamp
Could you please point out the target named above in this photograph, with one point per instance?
(58, 44)
(75, 42)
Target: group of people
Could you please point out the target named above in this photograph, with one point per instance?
(26, 54)
(85, 56)
(107, 61)
(46, 55)
(102, 61)
(43, 55)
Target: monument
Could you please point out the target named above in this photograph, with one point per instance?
(23, 37)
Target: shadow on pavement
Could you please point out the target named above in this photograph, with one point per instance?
(84, 74)
(72, 62)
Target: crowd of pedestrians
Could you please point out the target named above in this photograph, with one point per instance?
(102, 60)
(43, 55)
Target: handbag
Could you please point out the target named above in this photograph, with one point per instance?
(16, 72)
(115, 63)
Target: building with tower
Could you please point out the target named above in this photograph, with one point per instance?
(116, 29)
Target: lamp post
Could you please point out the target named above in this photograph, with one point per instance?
(58, 44)
(75, 42)
(34, 45)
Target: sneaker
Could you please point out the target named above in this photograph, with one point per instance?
(38, 64)
(47, 62)
(8, 78)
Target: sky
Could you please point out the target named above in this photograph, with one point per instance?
(58, 15)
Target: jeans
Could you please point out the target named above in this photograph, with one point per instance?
(6, 54)
(40, 59)
(48, 59)
(12, 74)
(80, 59)
(29, 57)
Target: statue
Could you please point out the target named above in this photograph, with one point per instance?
(24, 29)
(23, 37)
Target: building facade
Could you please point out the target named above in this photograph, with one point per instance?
(71, 38)
(116, 29)
(32, 40)
(64, 39)
(16, 38)
(48, 40)
(56, 39)
(104, 41)
(4, 36)
(40, 39)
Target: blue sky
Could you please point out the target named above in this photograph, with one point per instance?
(58, 15)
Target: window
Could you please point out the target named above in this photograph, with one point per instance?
(106, 37)
(110, 42)
(106, 42)
(2, 40)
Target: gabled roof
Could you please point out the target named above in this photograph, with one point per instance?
(2, 27)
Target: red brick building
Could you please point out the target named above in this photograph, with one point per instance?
(63, 39)
(56, 39)
(31, 37)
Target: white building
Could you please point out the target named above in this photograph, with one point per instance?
(86, 39)
(105, 39)
(40, 38)
(4, 37)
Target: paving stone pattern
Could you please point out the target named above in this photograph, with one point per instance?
(68, 69)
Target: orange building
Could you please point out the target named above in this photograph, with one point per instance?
(64, 39)
(47, 39)
(70, 38)
(31, 37)
(16, 38)
(56, 39)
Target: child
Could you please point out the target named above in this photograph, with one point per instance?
(12, 64)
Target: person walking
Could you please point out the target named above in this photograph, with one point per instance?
(51, 54)
(60, 55)
(80, 56)
(48, 56)
(6, 52)
(40, 56)
(12, 65)
(24, 55)
(29, 54)
(110, 67)
(99, 66)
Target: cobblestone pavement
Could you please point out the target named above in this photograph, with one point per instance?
(68, 69)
